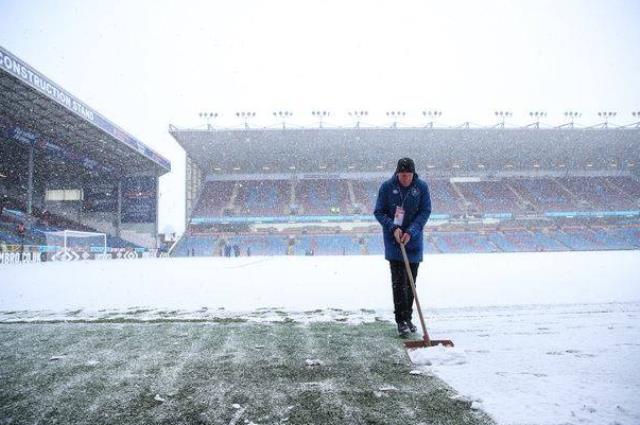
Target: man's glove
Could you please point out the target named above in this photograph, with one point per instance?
(397, 233)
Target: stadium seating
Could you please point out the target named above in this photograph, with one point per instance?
(630, 235)
(263, 198)
(196, 246)
(331, 196)
(460, 242)
(629, 187)
(327, 245)
(323, 197)
(544, 193)
(444, 199)
(597, 193)
(366, 193)
(214, 197)
(489, 196)
(260, 245)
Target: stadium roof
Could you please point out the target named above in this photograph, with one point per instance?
(46, 111)
(371, 149)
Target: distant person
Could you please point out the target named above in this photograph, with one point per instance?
(227, 250)
(21, 231)
(248, 251)
(402, 208)
(236, 250)
(3, 202)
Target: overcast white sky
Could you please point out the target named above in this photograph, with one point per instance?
(146, 64)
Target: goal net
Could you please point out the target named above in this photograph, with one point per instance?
(74, 240)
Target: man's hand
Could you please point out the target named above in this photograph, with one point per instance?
(405, 238)
(398, 235)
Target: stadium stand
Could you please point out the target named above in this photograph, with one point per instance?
(323, 196)
(64, 166)
(491, 189)
(264, 197)
(489, 196)
(544, 194)
(215, 197)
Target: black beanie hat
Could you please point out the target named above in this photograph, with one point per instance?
(406, 165)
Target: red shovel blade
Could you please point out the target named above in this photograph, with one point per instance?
(411, 345)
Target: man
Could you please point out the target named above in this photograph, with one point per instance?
(3, 202)
(403, 208)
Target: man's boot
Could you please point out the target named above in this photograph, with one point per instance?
(403, 329)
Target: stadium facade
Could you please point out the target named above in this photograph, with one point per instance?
(65, 166)
(282, 190)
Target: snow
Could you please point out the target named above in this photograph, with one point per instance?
(545, 338)
(307, 283)
(558, 364)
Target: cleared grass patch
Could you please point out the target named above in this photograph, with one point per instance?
(195, 372)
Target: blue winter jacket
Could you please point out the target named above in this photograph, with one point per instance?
(417, 208)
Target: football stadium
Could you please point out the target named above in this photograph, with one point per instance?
(74, 185)
(275, 305)
(313, 191)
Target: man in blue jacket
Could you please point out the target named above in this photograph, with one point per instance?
(403, 208)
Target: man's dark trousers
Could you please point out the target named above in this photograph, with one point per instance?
(402, 293)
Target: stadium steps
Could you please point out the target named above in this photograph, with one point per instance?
(464, 200)
(234, 196)
(493, 244)
(564, 188)
(560, 241)
(352, 195)
(618, 189)
(292, 198)
(523, 202)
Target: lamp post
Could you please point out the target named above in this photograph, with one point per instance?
(245, 117)
(606, 116)
(432, 117)
(321, 115)
(395, 115)
(571, 116)
(358, 115)
(209, 116)
(502, 115)
(536, 115)
(283, 115)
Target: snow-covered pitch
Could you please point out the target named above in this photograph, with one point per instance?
(544, 338)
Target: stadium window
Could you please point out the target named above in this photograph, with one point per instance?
(63, 195)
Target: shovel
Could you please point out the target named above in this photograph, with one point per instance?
(426, 341)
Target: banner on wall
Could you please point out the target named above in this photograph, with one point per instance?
(139, 200)
(12, 65)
